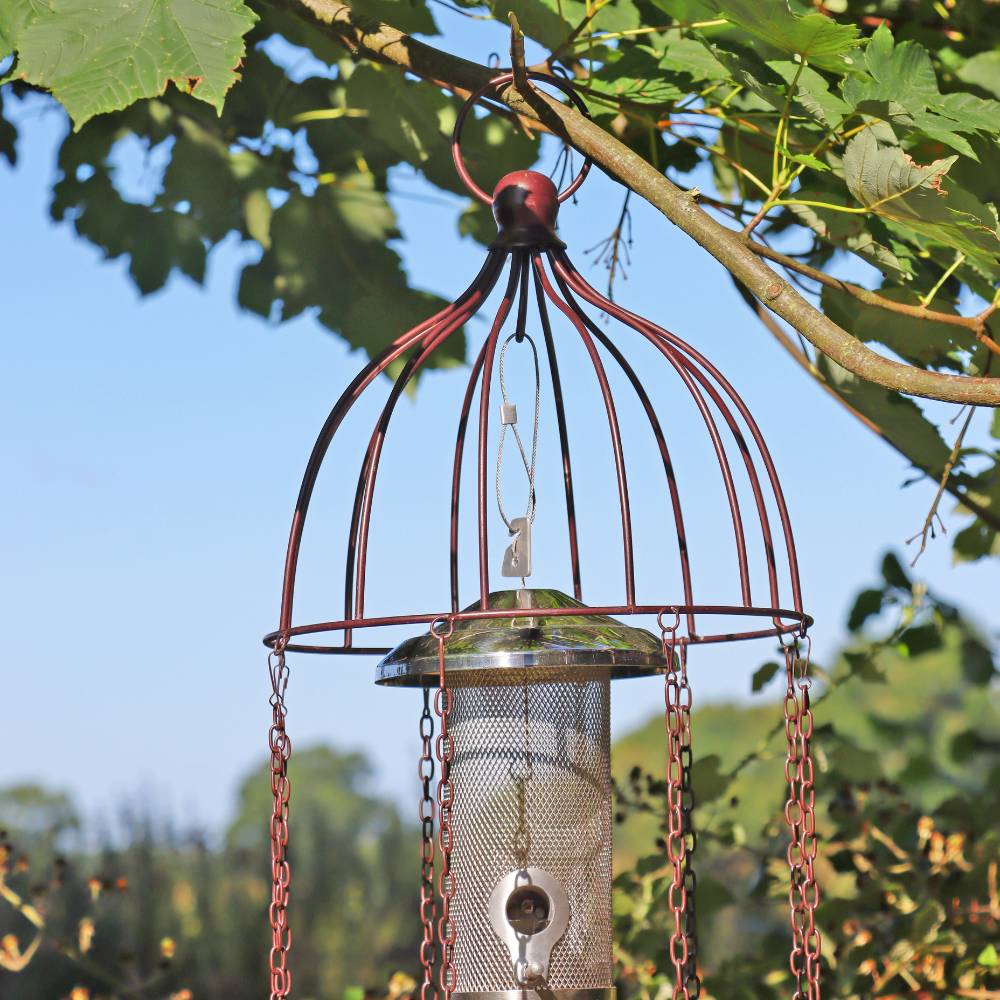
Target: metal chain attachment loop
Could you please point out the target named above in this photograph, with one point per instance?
(281, 750)
(680, 837)
(428, 904)
(441, 629)
(800, 814)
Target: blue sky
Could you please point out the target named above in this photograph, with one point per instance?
(153, 450)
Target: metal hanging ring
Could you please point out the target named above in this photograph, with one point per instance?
(456, 139)
(672, 629)
(442, 627)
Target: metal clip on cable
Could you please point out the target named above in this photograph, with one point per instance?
(517, 557)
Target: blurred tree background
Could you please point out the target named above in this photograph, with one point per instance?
(908, 798)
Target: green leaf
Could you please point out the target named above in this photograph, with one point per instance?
(977, 541)
(899, 418)
(901, 73)
(8, 137)
(818, 39)
(636, 76)
(686, 55)
(329, 252)
(920, 639)
(707, 779)
(808, 160)
(213, 180)
(97, 56)
(988, 957)
(889, 182)
(867, 604)
(886, 179)
(763, 675)
(969, 112)
(813, 93)
(977, 662)
(403, 114)
(894, 574)
(982, 70)
(863, 666)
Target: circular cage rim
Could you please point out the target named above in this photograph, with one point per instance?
(786, 622)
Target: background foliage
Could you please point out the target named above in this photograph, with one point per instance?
(908, 783)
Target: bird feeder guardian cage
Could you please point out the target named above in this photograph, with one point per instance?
(516, 805)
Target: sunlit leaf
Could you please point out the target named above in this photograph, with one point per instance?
(97, 56)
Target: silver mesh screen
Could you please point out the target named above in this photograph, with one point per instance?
(532, 787)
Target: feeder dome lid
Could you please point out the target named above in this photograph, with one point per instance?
(550, 646)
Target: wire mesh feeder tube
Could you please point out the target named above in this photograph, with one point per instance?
(516, 835)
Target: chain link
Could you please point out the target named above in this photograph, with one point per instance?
(281, 750)
(680, 839)
(428, 906)
(441, 629)
(800, 814)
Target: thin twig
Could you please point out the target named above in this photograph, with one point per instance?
(517, 56)
(614, 250)
(932, 514)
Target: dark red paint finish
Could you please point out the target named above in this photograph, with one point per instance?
(525, 205)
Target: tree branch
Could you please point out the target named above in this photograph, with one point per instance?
(984, 513)
(371, 39)
(976, 325)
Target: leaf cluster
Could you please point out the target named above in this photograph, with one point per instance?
(907, 746)
(855, 138)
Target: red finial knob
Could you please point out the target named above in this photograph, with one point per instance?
(525, 205)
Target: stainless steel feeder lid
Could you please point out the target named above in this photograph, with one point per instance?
(547, 646)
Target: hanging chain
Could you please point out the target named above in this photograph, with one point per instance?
(281, 750)
(441, 629)
(428, 907)
(800, 814)
(680, 804)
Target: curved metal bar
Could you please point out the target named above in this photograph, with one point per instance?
(609, 405)
(361, 381)
(496, 82)
(790, 621)
(456, 474)
(595, 298)
(737, 432)
(550, 351)
(772, 473)
(758, 437)
(432, 342)
(661, 441)
(484, 422)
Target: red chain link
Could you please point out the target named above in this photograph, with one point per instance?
(442, 628)
(680, 801)
(281, 750)
(428, 908)
(800, 814)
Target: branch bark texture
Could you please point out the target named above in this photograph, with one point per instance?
(371, 39)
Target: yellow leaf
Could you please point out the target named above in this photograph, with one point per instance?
(168, 948)
(79, 993)
(30, 913)
(85, 934)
